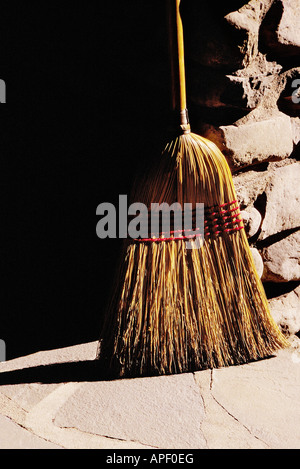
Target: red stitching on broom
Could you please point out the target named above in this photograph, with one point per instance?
(226, 203)
(211, 228)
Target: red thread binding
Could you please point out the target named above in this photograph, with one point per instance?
(211, 228)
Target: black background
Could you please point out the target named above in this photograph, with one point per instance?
(87, 101)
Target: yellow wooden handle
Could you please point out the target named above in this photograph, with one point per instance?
(181, 63)
(176, 46)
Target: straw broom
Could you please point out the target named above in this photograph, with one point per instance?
(176, 309)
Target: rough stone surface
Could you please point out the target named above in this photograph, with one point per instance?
(282, 201)
(280, 32)
(252, 406)
(295, 122)
(252, 220)
(249, 186)
(256, 81)
(281, 259)
(160, 411)
(259, 265)
(254, 141)
(258, 399)
(286, 311)
(221, 429)
(288, 30)
(248, 19)
(245, 93)
(13, 436)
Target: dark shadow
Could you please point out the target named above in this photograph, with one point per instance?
(87, 97)
(275, 238)
(261, 203)
(217, 116)
(90, 370)
(274, 290)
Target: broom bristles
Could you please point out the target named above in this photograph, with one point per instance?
(176, 309)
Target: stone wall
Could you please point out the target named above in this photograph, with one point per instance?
(243, 76)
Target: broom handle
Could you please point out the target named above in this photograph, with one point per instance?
(176, 47)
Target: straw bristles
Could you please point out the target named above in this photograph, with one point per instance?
(176, 309)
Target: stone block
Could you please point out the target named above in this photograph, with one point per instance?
(281, 260)
(248, 19)
(163, 411)
(285, 310)
(280, 33)
(258, 262)
(252, 220)
(282, 201)
(249, 185)
(253, 142)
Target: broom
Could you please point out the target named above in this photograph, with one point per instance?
(175, 309)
